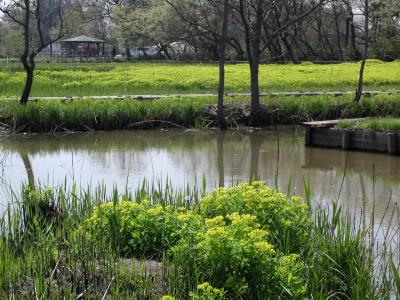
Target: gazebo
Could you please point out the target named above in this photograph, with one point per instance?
(83, 47)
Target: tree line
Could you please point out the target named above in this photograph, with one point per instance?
(188, 29)
(215, 29)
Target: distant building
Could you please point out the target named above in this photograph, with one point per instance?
(77, 47)
(144, 51)
(83, 46)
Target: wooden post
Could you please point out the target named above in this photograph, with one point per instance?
(346, 139)
(307, 136)
(391, 143)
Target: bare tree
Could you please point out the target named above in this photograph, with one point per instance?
(29, 15)
(350, 40)
(222, 50)
(205, 21)
(359, 90)
(253, 15)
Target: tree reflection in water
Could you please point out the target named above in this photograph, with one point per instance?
(220, 159)
(28, 168)
(255, 146)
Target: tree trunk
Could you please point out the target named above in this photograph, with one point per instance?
(128, 53)
(351, 33)
(338, 37)
(255, 88)
(255, 62)
(354, 51)
(28, 86)
(24, 58)
(222, 50)
(365, 54)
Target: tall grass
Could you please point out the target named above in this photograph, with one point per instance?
(42, 257)
(154, 78)
(377, 124)
(87, 115)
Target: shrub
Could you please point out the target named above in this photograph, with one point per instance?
(233, 254)
(286, 219)
(139, 229)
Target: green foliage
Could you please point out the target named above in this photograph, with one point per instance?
(229, 248)
(386, 48)
(236, 256)
(286, 219)
(139, 229)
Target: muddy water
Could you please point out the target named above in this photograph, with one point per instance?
(124, 159)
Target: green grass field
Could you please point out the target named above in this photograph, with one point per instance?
(95, 79)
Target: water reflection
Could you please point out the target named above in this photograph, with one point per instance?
(225, 158)
(220, 159)
(255, 147)
(28, 168)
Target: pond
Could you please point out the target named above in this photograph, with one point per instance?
(366, 182)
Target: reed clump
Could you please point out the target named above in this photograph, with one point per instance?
(49, 116)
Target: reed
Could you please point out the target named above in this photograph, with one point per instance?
(89, 115)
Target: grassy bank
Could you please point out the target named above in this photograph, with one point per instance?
(86, 115)
(96, 79)
(376, 124)
(73, 244)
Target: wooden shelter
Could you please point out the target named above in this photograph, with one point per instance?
(83, 47)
